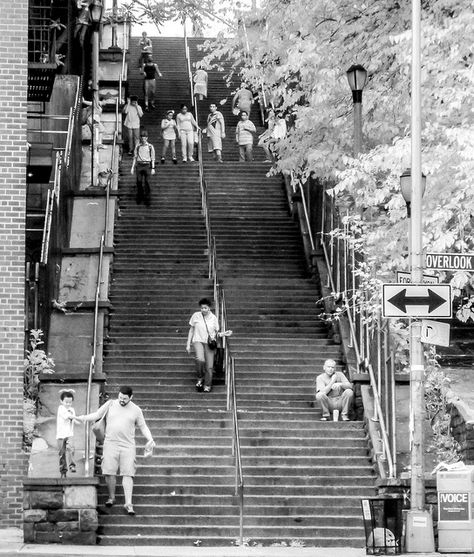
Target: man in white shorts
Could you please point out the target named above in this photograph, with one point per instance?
(119, 453)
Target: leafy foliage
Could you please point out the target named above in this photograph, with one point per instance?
(436, 384)
(36, 363)
(300, 50)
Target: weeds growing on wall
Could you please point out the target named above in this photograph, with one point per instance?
(36, 363)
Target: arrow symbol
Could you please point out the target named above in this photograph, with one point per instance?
(432, 300)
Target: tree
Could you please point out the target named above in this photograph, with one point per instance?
(301, 49)
(159, 12)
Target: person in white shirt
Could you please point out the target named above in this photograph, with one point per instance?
(65, 432)
(144, 162)
(204, 327)
(133, 112)
(244, 133)
(200, 83)
(169, 130)
(119, 454)
(187, 125)
(333, 392)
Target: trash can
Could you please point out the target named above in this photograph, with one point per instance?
(383, 524)
(455, 513)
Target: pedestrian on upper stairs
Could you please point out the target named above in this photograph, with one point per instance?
(334, 392)
(203, 334)
(119, 453)
(144, 162)
(169, 129)
(146, 48)
(187, 125)
(243, 100)
(150, 70)
(215, 132)
(200, 83)
(133, 113)
(244, 133)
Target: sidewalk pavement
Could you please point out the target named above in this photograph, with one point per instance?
(185, 551)
(11, 545)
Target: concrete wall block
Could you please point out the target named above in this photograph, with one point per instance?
(89, 520)
(80, 497)
(70, 526)
(48, 537)
(29, 532)
(46, 499)
(79, 538)
(35, 515)
(63, 515)
(45, 527)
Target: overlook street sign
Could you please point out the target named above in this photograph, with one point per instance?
(450, 261)
(416, 300)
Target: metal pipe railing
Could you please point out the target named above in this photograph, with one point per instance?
(92, 364)
(95, 331)
(338, 255)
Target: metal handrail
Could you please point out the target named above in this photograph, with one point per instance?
(359, 339)
(95, 332)
(231, 400)
(188, 65)
(53, 195)
(236, 452)
(92, 364)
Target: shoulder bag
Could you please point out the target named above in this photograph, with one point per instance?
(211, 342)
(98, 428)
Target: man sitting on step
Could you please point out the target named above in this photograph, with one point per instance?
(333, 392)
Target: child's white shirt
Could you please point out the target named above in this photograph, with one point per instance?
(65, 422)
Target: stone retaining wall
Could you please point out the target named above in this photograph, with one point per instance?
(60, 511)
(462, 429)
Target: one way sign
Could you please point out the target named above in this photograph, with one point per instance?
(416, 300)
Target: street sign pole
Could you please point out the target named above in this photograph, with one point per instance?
(418, 539)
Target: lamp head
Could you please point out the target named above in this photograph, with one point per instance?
(95, 9)
(405, 185)
(357, 77)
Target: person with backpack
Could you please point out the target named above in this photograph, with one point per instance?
(144, 163)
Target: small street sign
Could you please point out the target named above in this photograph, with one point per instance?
(416, 300)
(435, 332)
(450, 261)
(404, 277)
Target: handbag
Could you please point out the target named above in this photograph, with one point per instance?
(98, 428)
(211, 342)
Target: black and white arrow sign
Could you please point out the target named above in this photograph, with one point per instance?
(417, 300)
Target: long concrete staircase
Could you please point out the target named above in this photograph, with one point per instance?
(303, 477)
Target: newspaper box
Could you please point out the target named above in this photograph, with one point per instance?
(455, 516)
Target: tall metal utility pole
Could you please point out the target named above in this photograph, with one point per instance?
(419, 536)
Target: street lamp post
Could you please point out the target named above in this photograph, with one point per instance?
(357, 77)
(96, 8)
(405, 186)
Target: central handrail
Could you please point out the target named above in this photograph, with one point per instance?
(221, 312)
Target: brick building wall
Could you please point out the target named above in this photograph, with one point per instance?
(13, 94)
